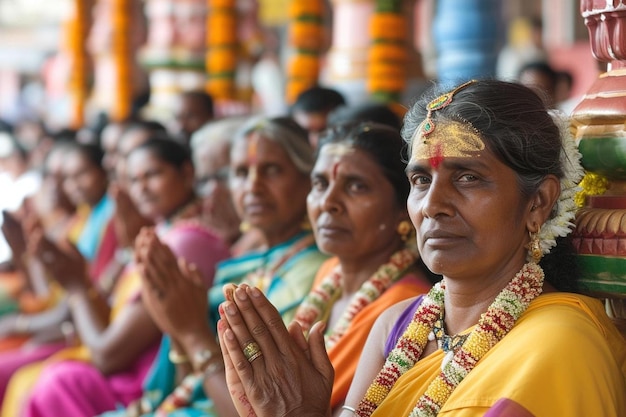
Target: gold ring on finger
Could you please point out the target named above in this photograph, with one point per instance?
(252, 351)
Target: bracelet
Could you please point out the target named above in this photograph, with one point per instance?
(213, 368)
(201, 358)
(22, 324)
(177, 358)
(348, 408)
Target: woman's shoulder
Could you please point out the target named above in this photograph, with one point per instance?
(566, 319)
(564, 308)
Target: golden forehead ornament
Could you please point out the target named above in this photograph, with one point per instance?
(449, 139)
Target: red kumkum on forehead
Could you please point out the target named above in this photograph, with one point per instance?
(437, 158)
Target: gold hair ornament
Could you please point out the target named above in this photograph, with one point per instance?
(428, 125)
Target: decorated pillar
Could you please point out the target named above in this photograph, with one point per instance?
(347, 58)
(388, 51)
(599, 124)
(466, 36)
(307, 38)
(123, 60)
(117, 33)
(175, 51)
(376, 58)
(222, 49)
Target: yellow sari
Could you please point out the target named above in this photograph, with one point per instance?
(564, 357)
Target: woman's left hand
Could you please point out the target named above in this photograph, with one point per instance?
(289, 377)
(172, 290)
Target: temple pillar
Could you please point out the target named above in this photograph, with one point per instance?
(117, 33)
(599, 123)
(466, 36)
(174, 52)
(346, 61)
(352, 65)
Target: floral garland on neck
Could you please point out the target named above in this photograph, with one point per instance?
(320, 299)
(493, 325)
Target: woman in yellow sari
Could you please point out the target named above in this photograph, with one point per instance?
(493, 175)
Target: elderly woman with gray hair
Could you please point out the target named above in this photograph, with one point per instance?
(270, 163)
(210, 147)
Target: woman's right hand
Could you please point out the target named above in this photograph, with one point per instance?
(172, 290)
(127, 221)
(292, 376)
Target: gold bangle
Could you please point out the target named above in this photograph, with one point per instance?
(177, 358)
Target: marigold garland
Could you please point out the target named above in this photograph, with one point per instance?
(78, 85)
(388, 52)
(222, 53)
(493, 325)
(316, 305)
(306, 34)
(122, 59)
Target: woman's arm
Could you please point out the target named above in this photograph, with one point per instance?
(114, 345)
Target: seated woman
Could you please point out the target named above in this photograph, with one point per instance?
(119, 339)
(270, 163)
(210, 148)
(358, 212)
(503, 334)
(35, 333)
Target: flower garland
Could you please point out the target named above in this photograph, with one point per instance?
(222, 49)
(76, 29)
(562, 223)
(388, 53)
(307, 38)
(122, 59)
(493, 325)
(316, 304)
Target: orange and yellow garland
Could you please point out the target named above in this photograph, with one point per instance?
(222, 49)
(307, 39)
(388, 52)
(122, 59)
(77, 29)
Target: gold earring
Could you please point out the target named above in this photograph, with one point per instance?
(404, 229)
(244, 226)
(306, 224)
(534, 246)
